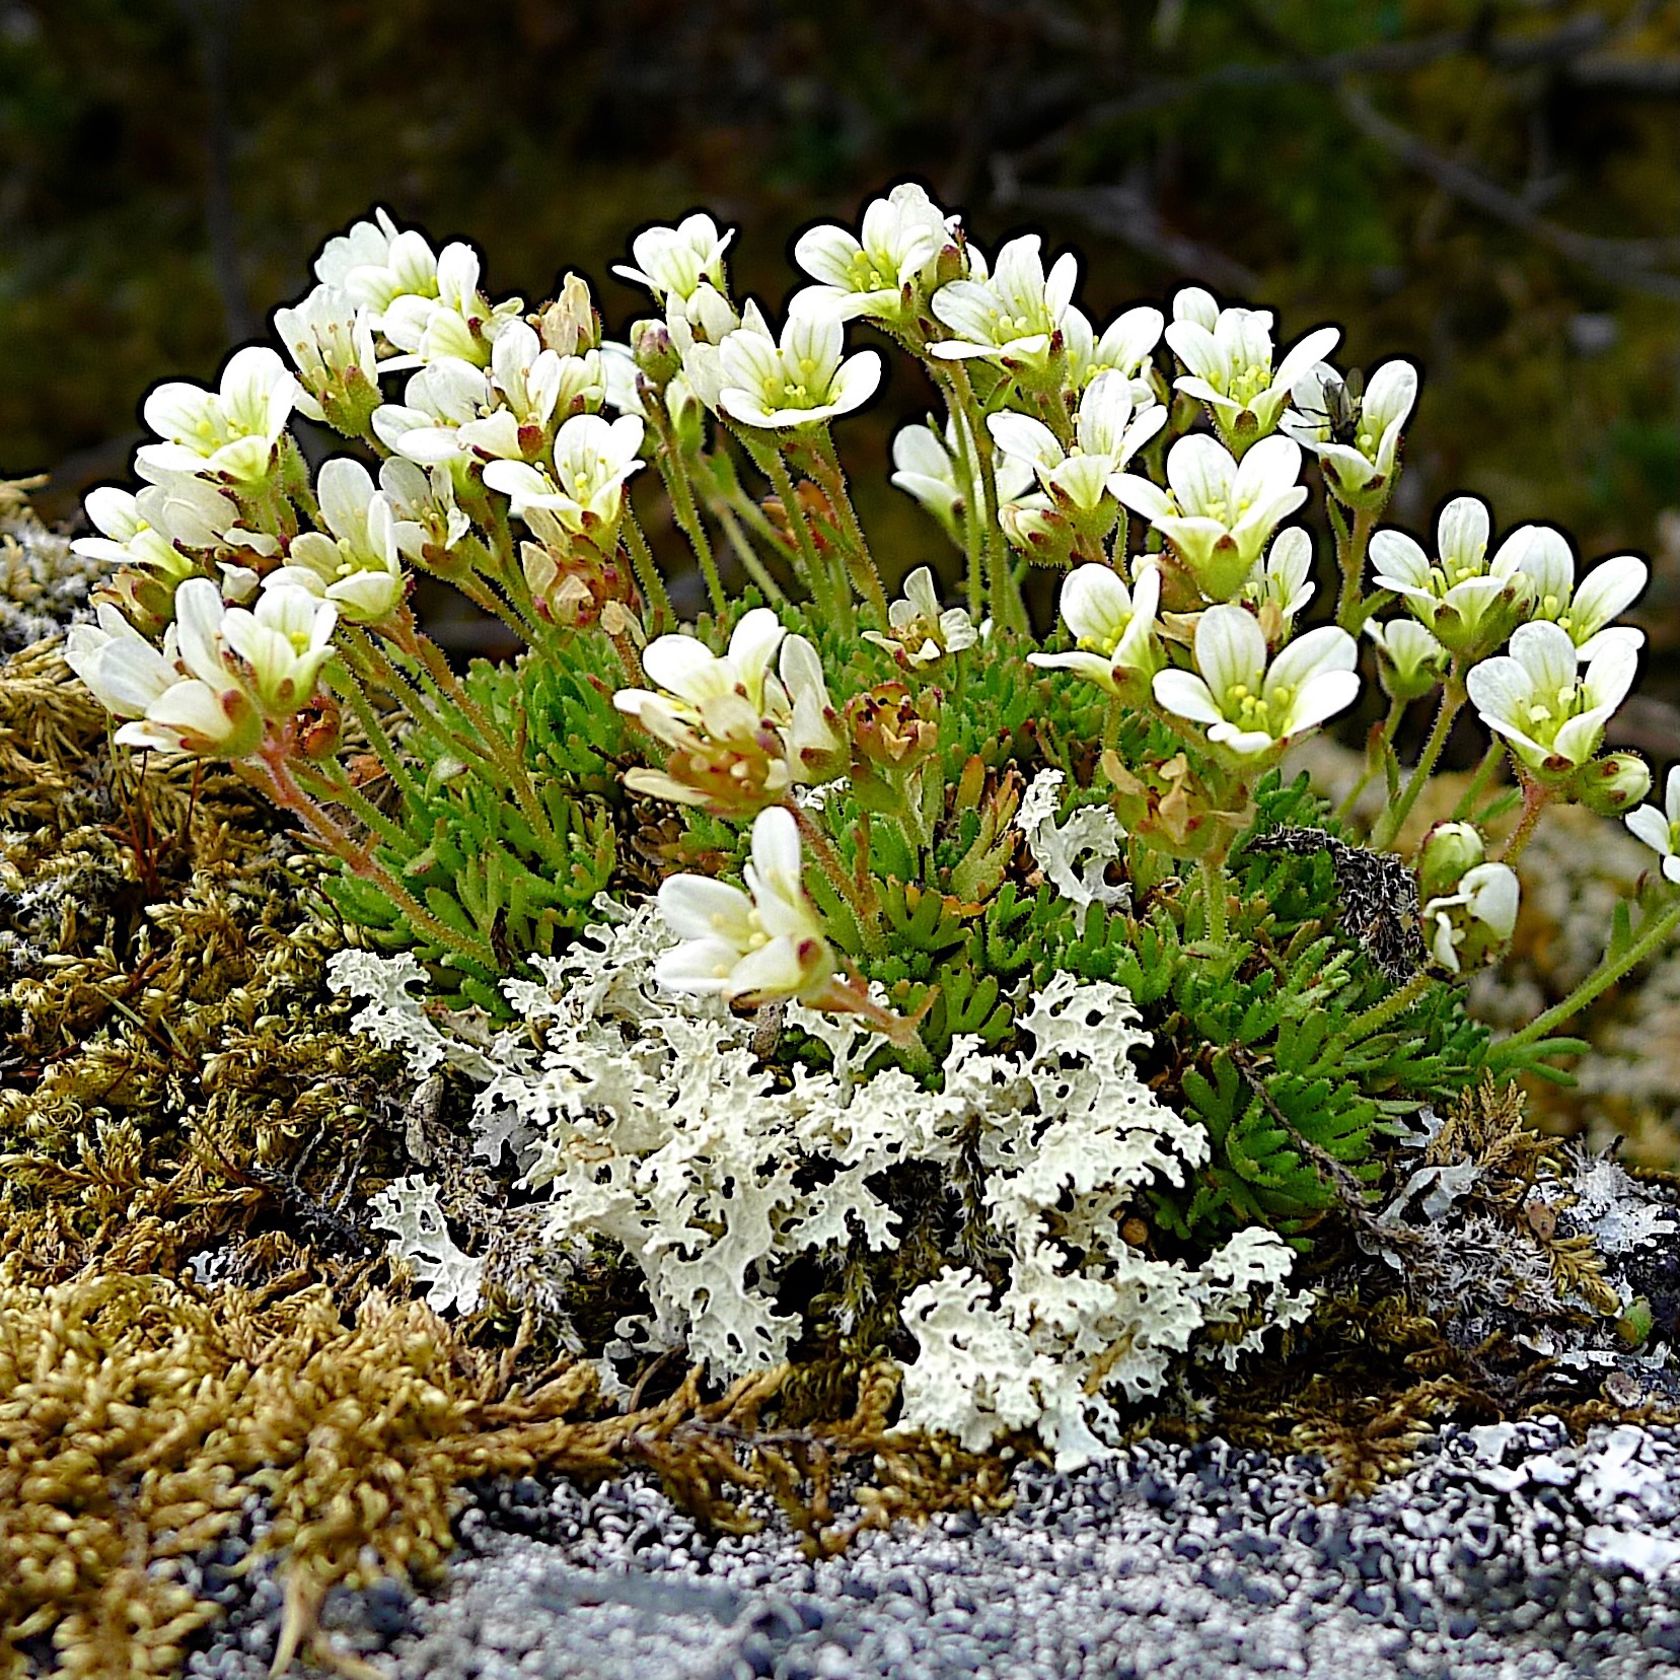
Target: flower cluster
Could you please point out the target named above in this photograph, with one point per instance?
(861, 792)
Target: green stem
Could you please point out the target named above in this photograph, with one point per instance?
(1115, 713)
(997, 573)
(1214, 891)
(674, 470)
(832, 594)
(863, 904)
(331, 781)
(832, 476)
(437, 687)
(647, 571)
(379, 738)
(744, 551)
(973, 519)
(282, 787)
(1452, 703)
(1352, 558)
(1491, 761)
(1594, 986)
(1373, 758)
(1536, 797)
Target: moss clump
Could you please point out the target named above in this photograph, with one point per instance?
(141, 1416)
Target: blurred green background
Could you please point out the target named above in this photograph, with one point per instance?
(1492, 189)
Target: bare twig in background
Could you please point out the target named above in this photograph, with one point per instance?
(1623, 262)
(1385, 58)
(1127, 214)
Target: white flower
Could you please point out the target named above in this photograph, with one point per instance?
(1410, 661)
(1016, 314)
(748, 950)
(696, 328)
(1356, 453)
(804, 379)
(437, 402)
(919, 631)
(153, 528)
(1107, 435)
(208, 709)
(358, 566)
(593, 458)
(930, 468)
(1660, 830)
(526, 378)
(330, 339)
(1550, 709)
(374, 264)
(1229, 355)
(1217, 513)
(1465, 598)
(720, 712)
(231, 431)
(124, 670)
(423, 500)
(1281, 584)
(898, 254)
(1606, 592)
(1125, 347)
(1113, 627)
(1489, 894)
(283, 642)
(453, 320)
(1251, 708)
(676, 262)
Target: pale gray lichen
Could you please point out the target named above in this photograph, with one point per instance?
(43, 582)
(650, 1121)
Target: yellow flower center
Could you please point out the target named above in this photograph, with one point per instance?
(1249, 710)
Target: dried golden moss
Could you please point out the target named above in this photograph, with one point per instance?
(140, 1416)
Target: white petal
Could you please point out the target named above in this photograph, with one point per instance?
(1390, 396)
(1651, 826)
(1230, 649)
(697, 907)
(1608, 590)
(1399, 561)
(1325, 649)
(1462, 531)
(1185, 695)
(1095, 603)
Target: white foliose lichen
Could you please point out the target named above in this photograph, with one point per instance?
(411, 1211)
(650, 1120)
(1075, 855)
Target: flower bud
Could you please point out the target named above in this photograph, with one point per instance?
(1478, 628)
(1449, 852)
(1473, 926)
(952, 261)
(656, 356)
(688, 414)
(316, 729)
(1043, 535)
(1612, 784)
(1165, 805)
(1410, 661)
(571, 588)
(570, 326)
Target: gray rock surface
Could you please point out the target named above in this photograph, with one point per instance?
(1506, 1551)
